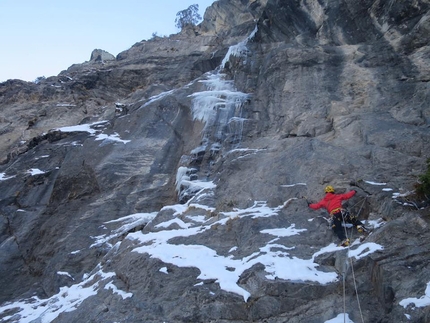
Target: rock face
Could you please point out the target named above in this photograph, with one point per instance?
(100, 55)
(166, 184)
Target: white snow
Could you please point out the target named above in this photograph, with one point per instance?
(177, 221)
(418, 302)
(3, 177)
(63, 273)
(66, 105)
(111, 138)
(396, 195)
(248, 152)
(198, 150)
(364, 250)
(127, 223)
(201, 206)
(178, 208)
(292, 185)
(197, 218)
(66, 300)
(91, 128)
(375, 223)
(117, 291)
(341, 318)
(226, 270)
(375, 183)
(44, 156)
(157, 97)
(35, 171)
(284, 232)
(82, 128)
(232, 249)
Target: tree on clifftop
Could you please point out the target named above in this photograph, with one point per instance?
(189, 16)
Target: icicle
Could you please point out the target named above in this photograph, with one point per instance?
(181, 175)
(239, 49)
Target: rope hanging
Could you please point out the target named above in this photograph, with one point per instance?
(352, 270)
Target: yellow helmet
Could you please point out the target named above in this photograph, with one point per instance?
(329, 189)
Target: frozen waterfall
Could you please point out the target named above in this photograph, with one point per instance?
(220, 106)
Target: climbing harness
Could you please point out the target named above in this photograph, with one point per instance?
(352, 270)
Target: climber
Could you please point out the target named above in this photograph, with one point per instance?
(333, 204)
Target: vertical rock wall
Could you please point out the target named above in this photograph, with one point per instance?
(206, 142)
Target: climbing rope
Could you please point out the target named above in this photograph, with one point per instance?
(352, 270)
(362, 200)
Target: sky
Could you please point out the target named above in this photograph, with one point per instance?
(44, 37)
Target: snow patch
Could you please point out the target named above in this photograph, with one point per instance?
(364, 250)
(157, 97)
(117, 291)
(3, 177)
(292, 185)
(375, 183)
(128, 222)
(66, 300)
(225, 270)
(35, 171)
(283, 232)
(110, 138)
(83, 127)
(63, 273)
(177, 221)
(341, 318)
(423, 301)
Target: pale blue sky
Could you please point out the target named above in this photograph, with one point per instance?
(44, 37)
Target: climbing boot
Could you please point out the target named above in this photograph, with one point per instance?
(345, 243)
(363, 229)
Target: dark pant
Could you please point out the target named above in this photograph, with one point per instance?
(338, 220)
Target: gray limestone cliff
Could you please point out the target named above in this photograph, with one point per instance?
(167, 184)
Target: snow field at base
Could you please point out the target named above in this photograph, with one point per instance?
(225, 270)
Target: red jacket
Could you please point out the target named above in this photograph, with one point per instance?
(332, 202)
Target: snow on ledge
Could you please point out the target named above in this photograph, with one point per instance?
(423, 301)
(3, 177)
(82, 128)
(375, 183)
